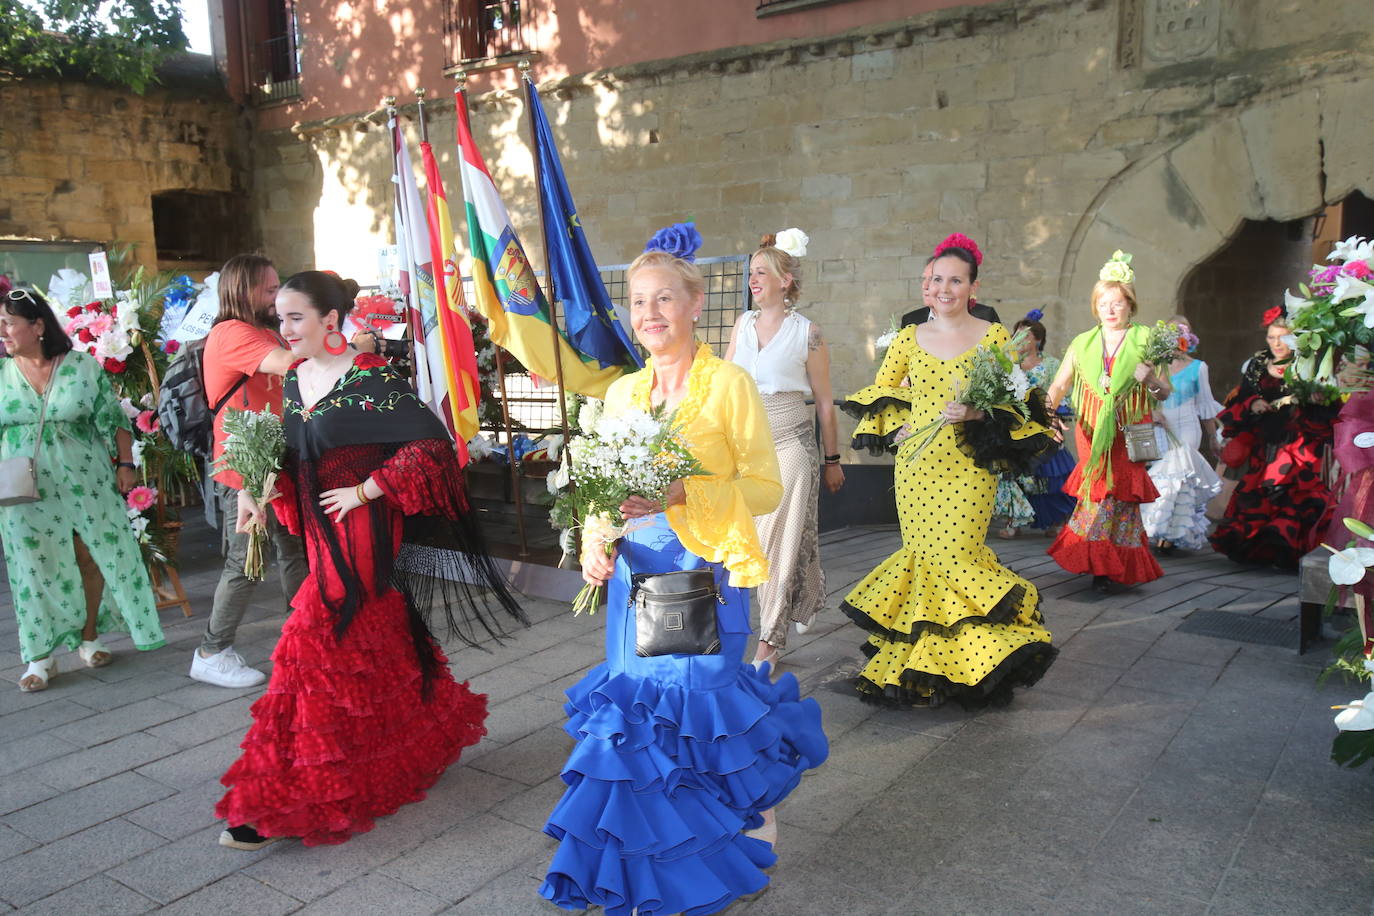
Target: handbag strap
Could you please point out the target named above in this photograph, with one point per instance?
(43, 411)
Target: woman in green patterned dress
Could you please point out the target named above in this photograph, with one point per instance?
(75, 569)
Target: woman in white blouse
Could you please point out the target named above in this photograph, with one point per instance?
(790, 363)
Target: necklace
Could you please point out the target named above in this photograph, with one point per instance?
(1108, 360)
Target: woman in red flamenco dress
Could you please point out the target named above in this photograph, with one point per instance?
(362, 714)
(1277, 449)
(1112, 387)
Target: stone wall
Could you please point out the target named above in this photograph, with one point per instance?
(81, 162)
(1051, 131)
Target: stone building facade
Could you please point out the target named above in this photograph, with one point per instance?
(1052, 131)
(86, 163)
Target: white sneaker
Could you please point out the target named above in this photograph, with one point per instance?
(804, 628)
(225, 668)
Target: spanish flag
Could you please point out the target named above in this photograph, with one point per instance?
(459, 355)
(504, 286)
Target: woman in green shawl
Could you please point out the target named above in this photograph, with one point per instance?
(1112, 387)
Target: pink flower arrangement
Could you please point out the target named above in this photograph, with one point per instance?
(141, 498)
(147, 422)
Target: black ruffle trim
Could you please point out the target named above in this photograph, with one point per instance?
(1004, 611)
(859, 410)
(877, 446)
(989, 442)
(1022, 668)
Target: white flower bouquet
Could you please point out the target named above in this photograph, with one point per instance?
(995, 380)
(631, 454)
(253, 447)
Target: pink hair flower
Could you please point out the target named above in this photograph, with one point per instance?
(959, 240)
(142, 498)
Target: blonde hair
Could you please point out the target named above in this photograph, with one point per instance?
(1175, 319)
(781, 264)
(1102, 287)
(687, 272)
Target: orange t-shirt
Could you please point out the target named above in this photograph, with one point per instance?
(235, 349)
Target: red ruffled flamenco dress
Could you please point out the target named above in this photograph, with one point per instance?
(362, 713)
(1282, 506)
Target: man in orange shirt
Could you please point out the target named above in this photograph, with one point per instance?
(245, 359)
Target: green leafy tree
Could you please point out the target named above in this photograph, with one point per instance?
(119, 42)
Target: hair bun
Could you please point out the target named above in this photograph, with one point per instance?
(769, 240)
(350, 287)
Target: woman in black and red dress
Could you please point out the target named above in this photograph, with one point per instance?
(1282, 505)
(362, 714)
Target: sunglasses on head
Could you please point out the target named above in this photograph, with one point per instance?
(19, 295)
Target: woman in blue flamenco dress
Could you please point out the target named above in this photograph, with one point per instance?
(680, 759)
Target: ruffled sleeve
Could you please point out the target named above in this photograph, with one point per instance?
(423, 478)
(729, 434)
(884, 407)
(1206, 402)
(287, 506)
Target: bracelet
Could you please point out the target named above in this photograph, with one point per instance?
(361, 494)
(829, 462)
(830, 459)
(127, 464)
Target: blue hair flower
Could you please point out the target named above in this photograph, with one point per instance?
(1035, 314)
(681, 240)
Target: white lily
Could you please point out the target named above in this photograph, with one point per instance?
(69, 287)
(1348, 288)
(1355, 248)
(1293, 304)
(1347, 567)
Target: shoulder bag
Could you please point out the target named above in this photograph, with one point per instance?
(675, 613)
(19, 475)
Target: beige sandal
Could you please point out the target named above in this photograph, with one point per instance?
(36, 676)
(94, 653)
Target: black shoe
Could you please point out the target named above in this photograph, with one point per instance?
(244, 837)
(1166, 548)
(1102, 585)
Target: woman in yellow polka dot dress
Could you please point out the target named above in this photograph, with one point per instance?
(945, 619)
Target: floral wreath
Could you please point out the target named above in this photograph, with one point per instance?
(1272, 315)
(959, 240)
(1117, 269)
(681, 240)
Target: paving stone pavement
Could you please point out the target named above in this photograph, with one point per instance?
(1151, 771)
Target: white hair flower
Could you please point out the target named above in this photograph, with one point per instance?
(793, 242)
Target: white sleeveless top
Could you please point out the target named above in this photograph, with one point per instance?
(781, 364)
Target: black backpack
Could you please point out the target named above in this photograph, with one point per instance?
(187, 419)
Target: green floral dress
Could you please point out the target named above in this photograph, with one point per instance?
(76, 484)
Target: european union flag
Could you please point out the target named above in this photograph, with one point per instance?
(587, 312)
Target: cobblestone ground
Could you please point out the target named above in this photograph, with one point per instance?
(1151, 771)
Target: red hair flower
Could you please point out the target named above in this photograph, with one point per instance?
(1273, 315)
(959, 240)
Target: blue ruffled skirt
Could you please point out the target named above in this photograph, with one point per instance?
(1052, 506)
(675, 757)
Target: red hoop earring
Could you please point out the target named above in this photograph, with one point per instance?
(335, 342)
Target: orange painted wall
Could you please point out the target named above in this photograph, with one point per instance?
(354, 52)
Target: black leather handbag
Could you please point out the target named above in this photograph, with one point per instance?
(675, 613)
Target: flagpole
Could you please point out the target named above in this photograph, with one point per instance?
(549, 284)
(393, 125)
(420, 107)
(517, 491)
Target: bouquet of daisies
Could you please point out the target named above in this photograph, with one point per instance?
(630, 454)
(253, 448)
(1161, 346)
(995, 380)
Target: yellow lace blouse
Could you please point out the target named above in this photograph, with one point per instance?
(724, 423)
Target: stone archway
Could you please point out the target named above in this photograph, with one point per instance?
(1281, 159)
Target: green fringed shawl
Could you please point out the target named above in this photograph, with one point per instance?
(1105, 411)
